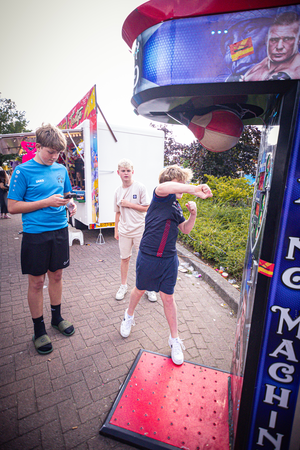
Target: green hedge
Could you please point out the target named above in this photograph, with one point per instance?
(221, 229)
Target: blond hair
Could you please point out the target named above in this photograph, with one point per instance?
(175, 172)
(51, 137)
(125, 163)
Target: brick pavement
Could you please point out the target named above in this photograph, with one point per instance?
(59, 401)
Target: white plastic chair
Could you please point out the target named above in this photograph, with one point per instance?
(75, 234)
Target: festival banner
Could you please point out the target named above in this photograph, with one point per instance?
(86, 108)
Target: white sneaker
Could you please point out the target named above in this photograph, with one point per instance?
(176, 350)
(126, 325)
(151, 296)
(121, 292)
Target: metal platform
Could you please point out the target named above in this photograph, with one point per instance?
(164, 406)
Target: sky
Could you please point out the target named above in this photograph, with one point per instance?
(53, 52)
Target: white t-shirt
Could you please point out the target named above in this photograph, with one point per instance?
(132, 222)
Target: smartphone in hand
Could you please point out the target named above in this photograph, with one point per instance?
(70, 196)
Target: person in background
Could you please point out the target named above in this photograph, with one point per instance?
(157, 260)
(79, 173)
(37, 191)
(4, 186)
(131, 202)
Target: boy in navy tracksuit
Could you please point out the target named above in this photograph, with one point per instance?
(157, 261)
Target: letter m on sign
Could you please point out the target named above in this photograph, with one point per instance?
(286, 318)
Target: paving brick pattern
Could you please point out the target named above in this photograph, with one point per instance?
(59, 401)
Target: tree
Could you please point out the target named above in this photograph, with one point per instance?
(193, 156)
(172, 149)
(11, 120)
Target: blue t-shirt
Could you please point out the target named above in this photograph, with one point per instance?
(161, 226)
(31, 182)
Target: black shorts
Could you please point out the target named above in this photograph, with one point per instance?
(45, 251)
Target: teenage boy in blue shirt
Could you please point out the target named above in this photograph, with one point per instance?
(37, 191)
(157, 260)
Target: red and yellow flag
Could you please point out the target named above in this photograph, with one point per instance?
(241, 49)
(266, 268)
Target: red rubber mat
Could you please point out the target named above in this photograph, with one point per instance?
(164, 406)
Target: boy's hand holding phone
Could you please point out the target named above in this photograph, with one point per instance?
(70, 195)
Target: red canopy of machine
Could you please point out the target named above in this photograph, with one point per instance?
(156, 11)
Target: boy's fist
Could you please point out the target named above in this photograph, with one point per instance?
(203, 191)
(191, 207)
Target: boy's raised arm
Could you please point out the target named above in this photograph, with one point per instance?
(174, 187)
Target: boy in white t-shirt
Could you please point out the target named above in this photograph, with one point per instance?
(131, 202)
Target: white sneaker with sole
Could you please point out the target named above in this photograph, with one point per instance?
(121, 292)
(176, 345)
(126, 325)
(151, 296)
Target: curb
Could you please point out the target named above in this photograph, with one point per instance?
(228, 293)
